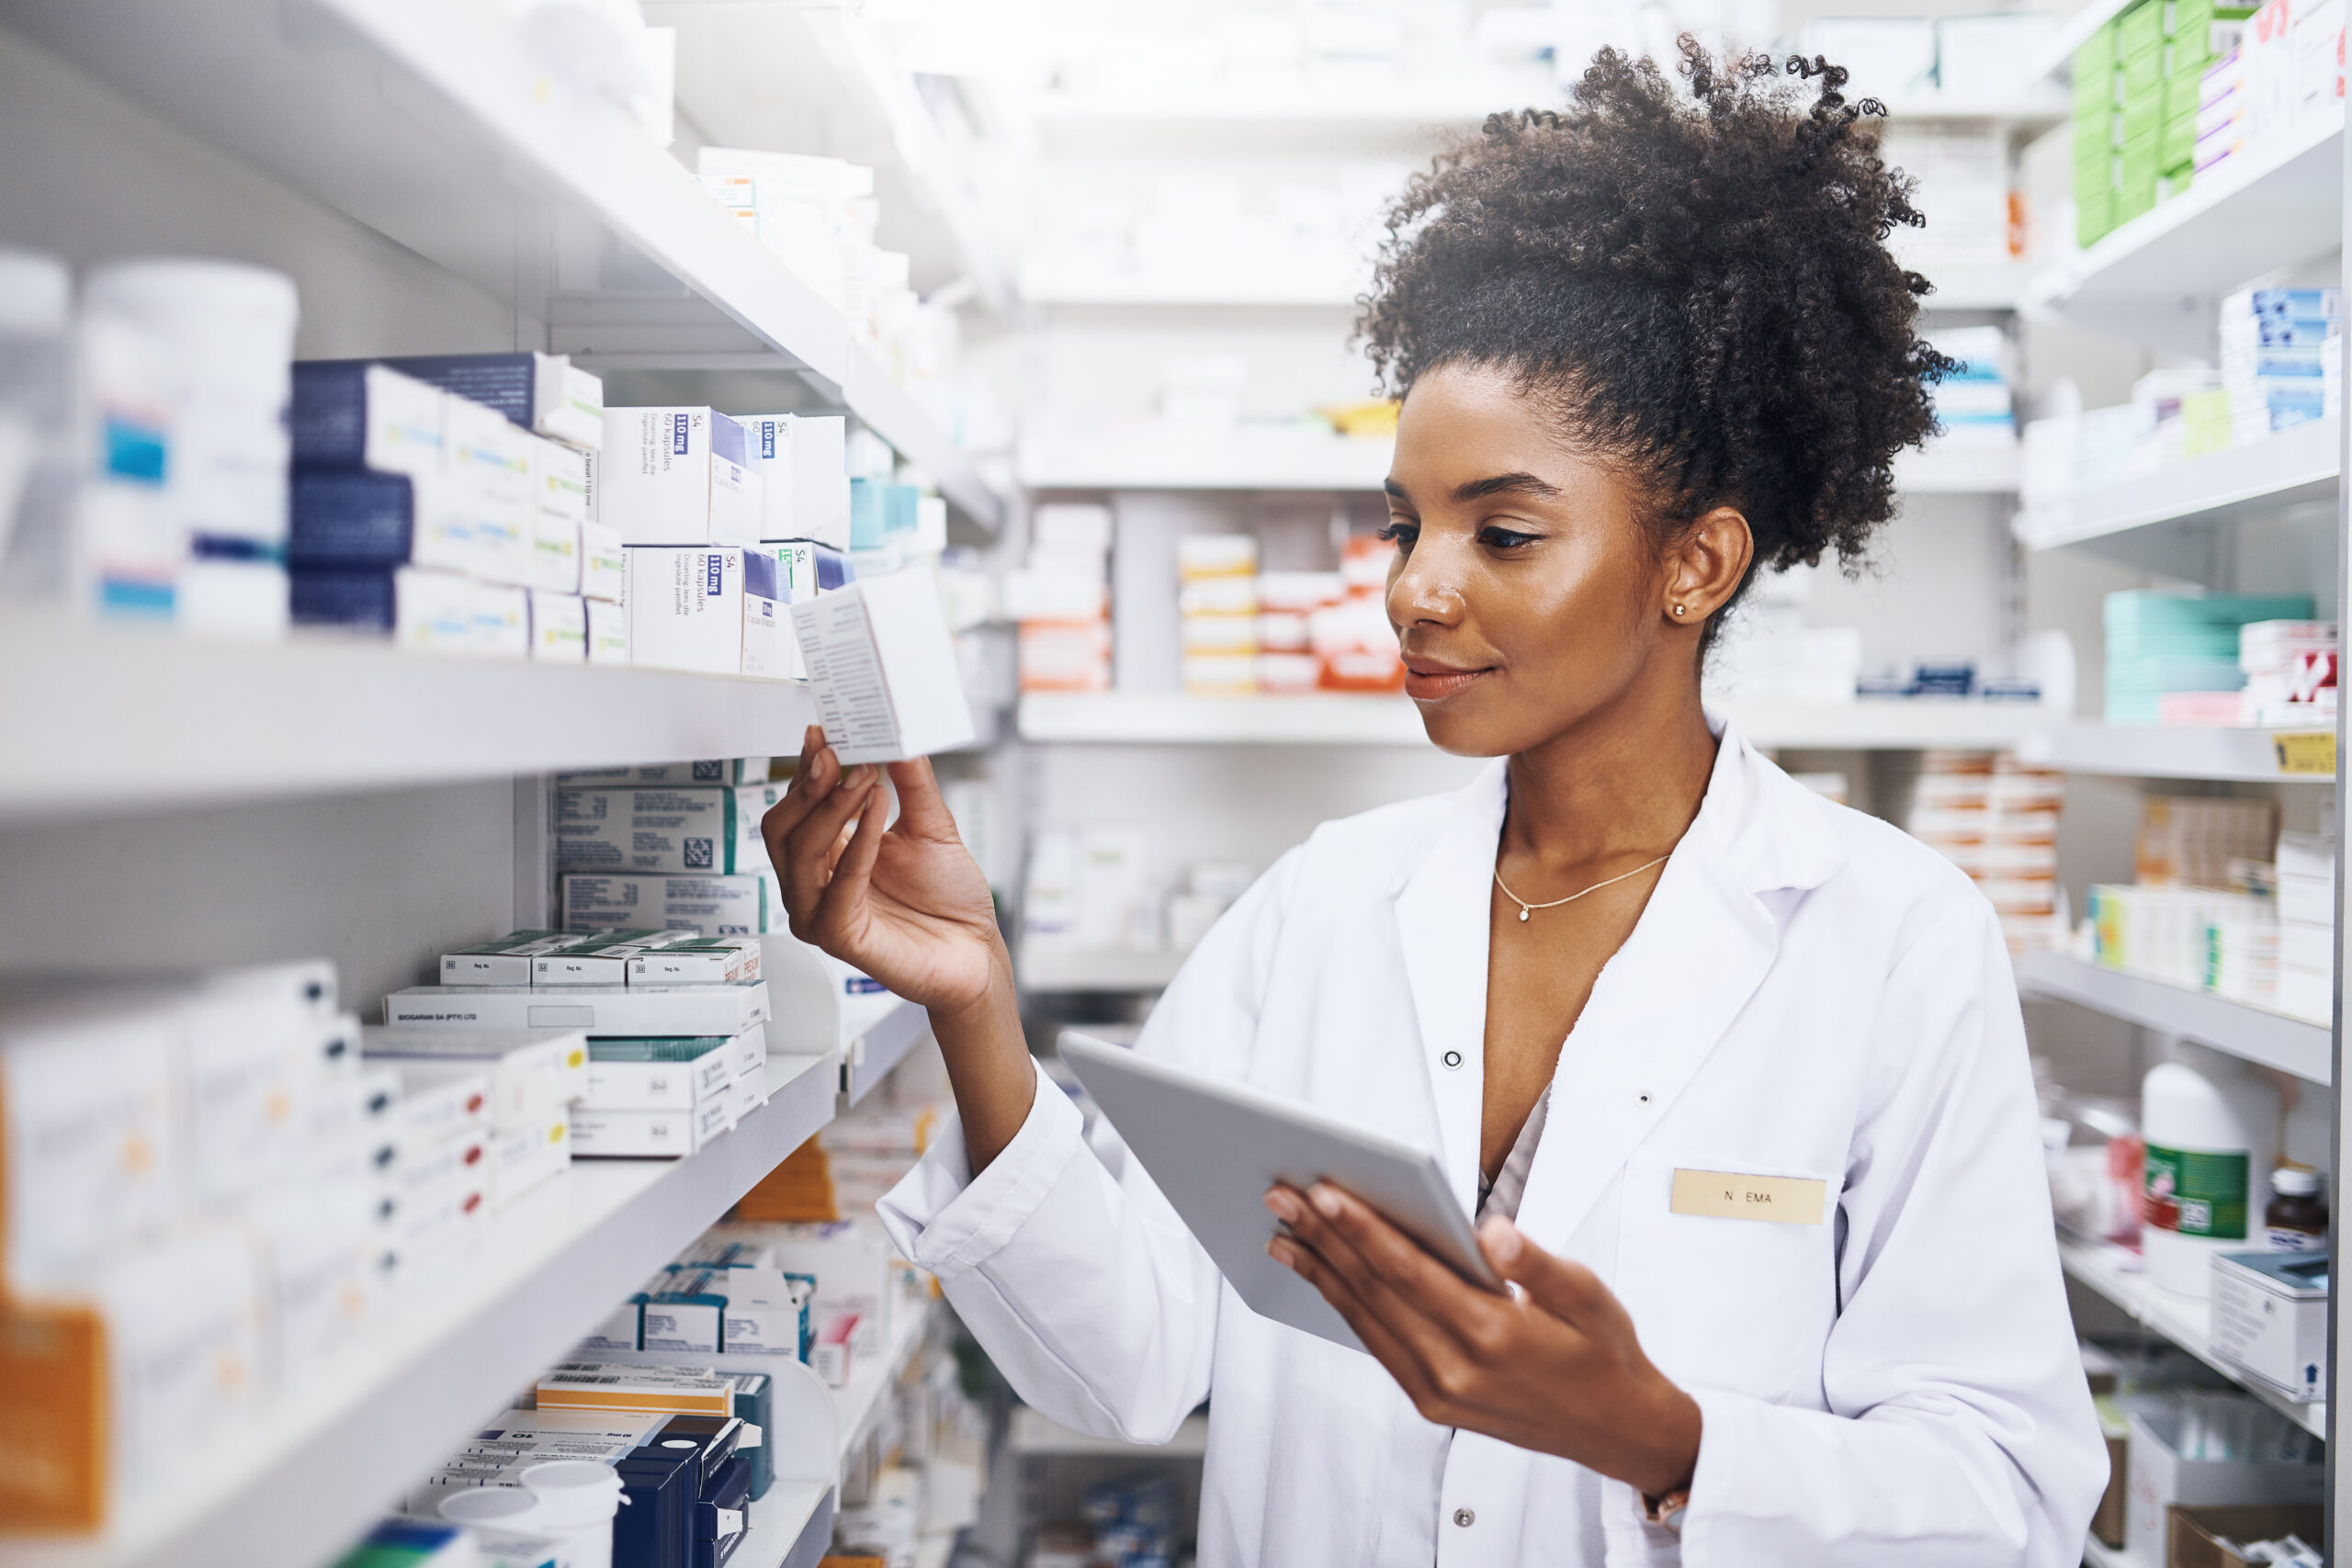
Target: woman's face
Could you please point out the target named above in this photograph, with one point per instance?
(1526, 593)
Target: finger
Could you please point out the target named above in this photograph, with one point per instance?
(819, 772)
(1564, 1288)
(855, 870)
(1417, 1295)
(922, 812)
(814, 848)
(1387, 1347)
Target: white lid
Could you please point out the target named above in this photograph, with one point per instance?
(490, 1504)
(2296, 1181)
(571, 1475)
(35, 294)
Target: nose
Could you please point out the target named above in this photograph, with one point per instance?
(1425, 588)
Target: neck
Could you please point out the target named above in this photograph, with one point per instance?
(1623, 781)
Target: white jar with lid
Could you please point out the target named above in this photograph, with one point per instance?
(2212, 1138)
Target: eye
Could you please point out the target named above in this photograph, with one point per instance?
(1505, 539)
(1401, 534)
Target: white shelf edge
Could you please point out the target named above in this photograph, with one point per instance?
(792, 1526)
(871, 1381)
(112, 717)
(2252, 1034)
(2184, 1320)
(2058, 284)
(454, 1344)
(886, 1043)
(1033, 1435)
(2292, 466)
(2166, 752)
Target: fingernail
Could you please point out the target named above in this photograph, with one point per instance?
(1283, 1253)
(1326, 1201)
(1284, 1206)
(1502, 1241)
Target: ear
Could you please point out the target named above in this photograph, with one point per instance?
(1703, 568)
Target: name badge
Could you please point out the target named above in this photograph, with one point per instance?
(1727, 1195)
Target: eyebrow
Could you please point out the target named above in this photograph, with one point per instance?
(1494, 484)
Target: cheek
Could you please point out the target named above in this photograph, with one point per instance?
(1580, 610)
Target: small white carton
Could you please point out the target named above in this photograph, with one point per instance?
(697, 961)
(769, 650)
(532, 1071)
(604, 569)
(768, 438)
(884, 668)
(642, 1134)
(433, 612)
(2158, 1477)
(686, 606)
(559, 627)
(502, 621)
(705, 905)
(665, 1073)
(599, 959)
(555, 552)
(676, 476)
(637, 1012)
(2270, 1319)
(607, 633)
(501, 961)
(530, 1153)
(820, 466)
(662, 829)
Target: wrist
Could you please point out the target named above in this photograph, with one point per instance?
(1670, 1459)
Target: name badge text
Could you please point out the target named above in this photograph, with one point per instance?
(1727, 1195)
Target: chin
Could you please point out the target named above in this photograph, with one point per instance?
(1474, 724)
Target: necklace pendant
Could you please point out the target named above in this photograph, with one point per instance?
(1522, 914)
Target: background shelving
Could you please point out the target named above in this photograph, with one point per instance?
(2248, 756)
(316, 1469)
(2166, 520)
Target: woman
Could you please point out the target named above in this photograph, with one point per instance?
(1734, 1077)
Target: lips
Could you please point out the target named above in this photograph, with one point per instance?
(1427, 680)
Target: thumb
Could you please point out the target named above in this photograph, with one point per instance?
(1566, 1289)
(922, 810)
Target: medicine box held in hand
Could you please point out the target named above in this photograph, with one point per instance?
(884, 668)
(2270, 1319)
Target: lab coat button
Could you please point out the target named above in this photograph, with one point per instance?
(1464, 1517)
(1453, 1059)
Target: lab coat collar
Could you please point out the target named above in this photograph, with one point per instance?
(1705, 941)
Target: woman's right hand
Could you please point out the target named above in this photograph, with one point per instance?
(907, 905)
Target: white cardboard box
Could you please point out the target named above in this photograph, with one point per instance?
(559, 627)
(661, 829)
(555, 552)
(820, 479)
(769, 650)
(433, 612)
(502, 621)
(604, 569)
(686, 607)
(887, 684)
(630, 1012)
(768, 439)
(659, 1134)
(2157, 1477)
(2270, 1319)
(705, 905)
(693, 1071)
(607, 633)
(533, 1072)
(676, 476)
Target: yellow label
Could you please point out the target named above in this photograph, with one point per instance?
(2308, 753)
(1727, 1195)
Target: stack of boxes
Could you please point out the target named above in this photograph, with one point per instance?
(1216, 613)
(2173, 659)
(447, 501)
(507, 1095)
(2291, 669)
(1972, 404)
(2281, 360)
(672, 846)
(674, 1026)
(1355, 646)
(1062, 600)
(1289, 602)
(2306, 902)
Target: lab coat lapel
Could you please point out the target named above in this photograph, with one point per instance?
(1699, 951)
(1442, 913)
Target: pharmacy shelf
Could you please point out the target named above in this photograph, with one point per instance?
(302, 1481)
(872, 1055)
(1294, 457)
(1032, 1434)
(108, 717)
(792, 1526)
(1047, 280)
(2158, 751)
(871, 1379)
(2055, 58)
(434, 123)
(2114, 1272)
(2157, 277)
(1337, 720)
(2255, 1034)
(2297, 467)
(1098, 969)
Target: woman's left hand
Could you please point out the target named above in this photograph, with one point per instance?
(1553, 1367)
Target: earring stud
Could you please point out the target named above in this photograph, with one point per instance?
(1678, 609)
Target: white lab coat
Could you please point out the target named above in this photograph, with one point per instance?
(1810, 993)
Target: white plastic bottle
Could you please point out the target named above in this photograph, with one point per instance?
(2212, 1136)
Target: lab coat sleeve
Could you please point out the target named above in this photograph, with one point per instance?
(1958, 1427)
(1085, 1288)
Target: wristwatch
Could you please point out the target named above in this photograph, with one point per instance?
(1665, 1510)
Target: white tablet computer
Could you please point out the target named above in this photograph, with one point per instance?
(1214, 1148)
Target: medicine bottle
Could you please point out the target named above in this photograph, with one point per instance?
(2296, 1219)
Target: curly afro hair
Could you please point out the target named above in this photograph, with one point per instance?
(1699, 282)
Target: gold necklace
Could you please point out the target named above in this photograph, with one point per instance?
(1525, 909)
